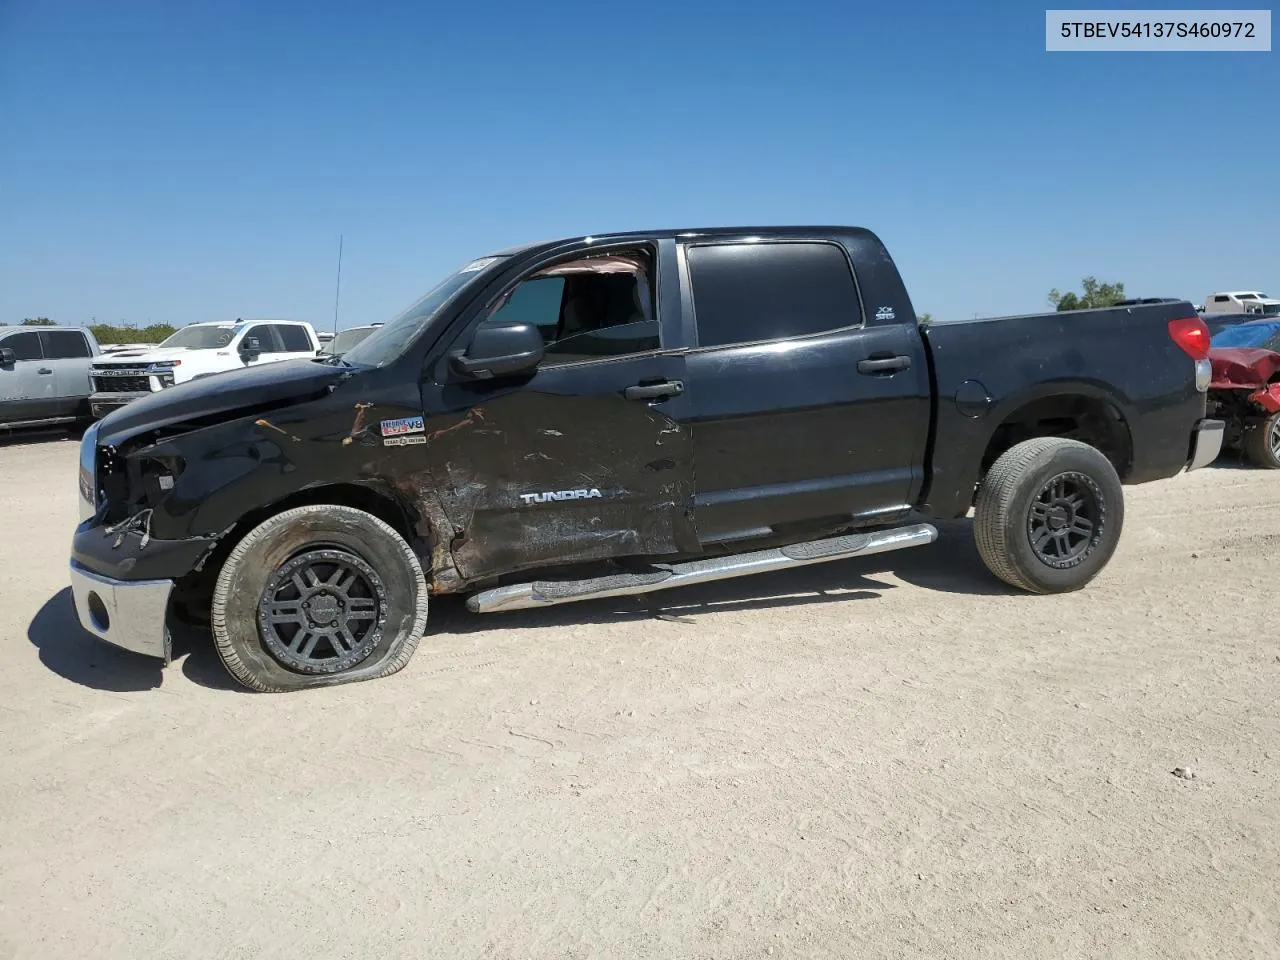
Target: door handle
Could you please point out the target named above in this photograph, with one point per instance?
(884, 365)
(44, 370)
(650, 391)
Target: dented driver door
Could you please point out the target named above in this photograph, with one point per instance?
(575, 465)
(579, 460)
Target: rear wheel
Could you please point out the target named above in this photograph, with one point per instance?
(1262, 442)
(315, 596)
(1048, 515)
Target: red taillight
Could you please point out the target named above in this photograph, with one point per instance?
(1192, 335)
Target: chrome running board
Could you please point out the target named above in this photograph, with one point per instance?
(545, 593)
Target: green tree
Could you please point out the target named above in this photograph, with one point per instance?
(925, 318)
(1095, 295)
(38, 322)
(111, 333)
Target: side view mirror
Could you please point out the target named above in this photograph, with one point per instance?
(498, 350)
(7, 356)
(251, 345)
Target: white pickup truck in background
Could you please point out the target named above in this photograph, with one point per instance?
(1242, 301)
(44, 375)
(197, 350)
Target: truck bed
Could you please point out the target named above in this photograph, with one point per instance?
(997, 369)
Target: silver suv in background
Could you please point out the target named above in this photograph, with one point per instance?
(346, 339)
(44, 375)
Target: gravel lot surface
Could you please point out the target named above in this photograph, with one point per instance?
(892, 757)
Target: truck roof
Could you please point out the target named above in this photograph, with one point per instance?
(686, 232)
(241, 321)
(43, 326)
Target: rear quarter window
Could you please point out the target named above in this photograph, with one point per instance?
(749, 292)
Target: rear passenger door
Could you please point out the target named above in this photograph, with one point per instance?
(27, 384)
(803, 410)
(67, 353)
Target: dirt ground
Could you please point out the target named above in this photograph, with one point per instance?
(892, 757)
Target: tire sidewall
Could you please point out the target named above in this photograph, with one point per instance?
(1260, 448)
(245, 577)
(1066, 459)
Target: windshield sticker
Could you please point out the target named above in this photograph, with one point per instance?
(475, 265)
(398, 428)
(404, 441)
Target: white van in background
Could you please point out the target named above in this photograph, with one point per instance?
(196, 350)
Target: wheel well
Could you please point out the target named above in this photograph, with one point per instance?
(195, 590)
(1087, 419)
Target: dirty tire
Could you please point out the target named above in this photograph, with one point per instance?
(1262, 442)
(386, 578)
(1019, 498)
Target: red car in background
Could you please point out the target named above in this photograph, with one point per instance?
(1245, 388)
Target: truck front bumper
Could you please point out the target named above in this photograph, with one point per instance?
(1206, 443)
(100, 404)
(130, 614)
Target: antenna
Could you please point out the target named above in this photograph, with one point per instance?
(338, 291)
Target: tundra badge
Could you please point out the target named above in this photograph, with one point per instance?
(551, 495)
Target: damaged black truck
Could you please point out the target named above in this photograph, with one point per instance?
(615, 415)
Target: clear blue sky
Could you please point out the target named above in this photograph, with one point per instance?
(176, 162)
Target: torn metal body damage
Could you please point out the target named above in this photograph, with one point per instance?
(1251, 369)
(461, 483)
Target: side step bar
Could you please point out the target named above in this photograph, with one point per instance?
(543, 593)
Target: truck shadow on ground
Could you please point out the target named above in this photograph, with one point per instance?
(74, 654)
(31, 436)
(950, 565)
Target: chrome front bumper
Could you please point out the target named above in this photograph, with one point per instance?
(130, 614)
(1206, 443)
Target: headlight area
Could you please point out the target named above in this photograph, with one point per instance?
(164, 371)
(129, 483)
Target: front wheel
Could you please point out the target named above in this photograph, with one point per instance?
(315, 596)
(1262, 442)
(1048, 515)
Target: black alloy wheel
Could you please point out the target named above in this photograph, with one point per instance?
(1066, 520)
(322, 611)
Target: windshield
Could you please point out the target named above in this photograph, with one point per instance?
(389, 341)
(201, 338)
(1255, 333)
(347, 339)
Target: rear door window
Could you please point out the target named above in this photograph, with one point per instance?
(749, 292)
(64, 344)
(294, 338)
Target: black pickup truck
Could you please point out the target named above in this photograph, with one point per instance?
(617, 415)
